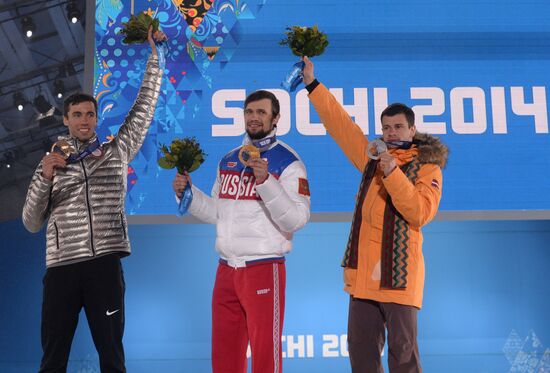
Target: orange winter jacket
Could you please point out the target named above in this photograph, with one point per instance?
(416, 203)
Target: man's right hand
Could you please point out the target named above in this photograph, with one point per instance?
(308, 75)
(387, 163)
(50, 162)
(180, 182)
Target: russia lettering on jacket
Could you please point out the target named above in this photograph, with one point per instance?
(233, 186)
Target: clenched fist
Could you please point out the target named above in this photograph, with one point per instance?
(180, 182)
(50, 162)
(387, 163)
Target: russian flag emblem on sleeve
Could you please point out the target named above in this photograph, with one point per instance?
(303, 186)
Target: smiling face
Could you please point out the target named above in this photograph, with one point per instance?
(396, 128)
(259, 119)
(81, 119)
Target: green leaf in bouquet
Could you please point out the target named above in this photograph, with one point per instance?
(172, 158)
(196, 162)
(176, 146)
(166, 164)
(185, 159)
(194, 166)
(156, 24)
(199, 157)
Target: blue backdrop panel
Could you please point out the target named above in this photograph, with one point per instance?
(476, 74)
(485, 309)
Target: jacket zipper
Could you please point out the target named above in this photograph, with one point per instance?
(89, 208)
(123, 225)
(232, 210)
(56, 235)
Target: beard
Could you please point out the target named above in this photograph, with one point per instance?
(257, 135)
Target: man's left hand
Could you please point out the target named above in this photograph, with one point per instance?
(259, 166)
(387, 163)
(308, 73)
(153, 37)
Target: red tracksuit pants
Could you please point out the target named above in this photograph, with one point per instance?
(248, 304)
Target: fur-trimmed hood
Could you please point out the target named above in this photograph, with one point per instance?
(431, 149)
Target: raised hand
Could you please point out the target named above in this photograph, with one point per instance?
(153, 37)
(307, 73)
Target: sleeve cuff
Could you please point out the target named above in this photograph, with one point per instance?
(44, 181)
(268, 189)
(311, 86)
(394, 180)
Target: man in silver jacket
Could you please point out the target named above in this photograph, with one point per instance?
(81, 191)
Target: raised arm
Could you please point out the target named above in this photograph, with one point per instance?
(336, 120)
(132, 132)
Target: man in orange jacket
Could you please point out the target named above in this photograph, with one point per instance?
(383, 262)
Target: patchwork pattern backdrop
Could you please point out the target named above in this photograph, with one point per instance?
(475, 75)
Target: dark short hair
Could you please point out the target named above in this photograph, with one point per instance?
(260, 95)
(75, 99)
(399, 108)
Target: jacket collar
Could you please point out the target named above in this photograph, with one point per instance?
(428, 148)
(248, 141)
(431, 149)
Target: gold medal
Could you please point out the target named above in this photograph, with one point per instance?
(248, 152)
(64, 148)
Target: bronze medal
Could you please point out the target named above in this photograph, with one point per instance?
(64, 148)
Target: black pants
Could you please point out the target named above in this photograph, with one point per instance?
(367, 324)
(98, 286)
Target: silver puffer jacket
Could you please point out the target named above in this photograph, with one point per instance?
(85, 200)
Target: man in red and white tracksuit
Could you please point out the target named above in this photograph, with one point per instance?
(256, 206)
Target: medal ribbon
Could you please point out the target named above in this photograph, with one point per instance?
(186, 200)
(74, 157)
(264, 143)
(399, 144)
